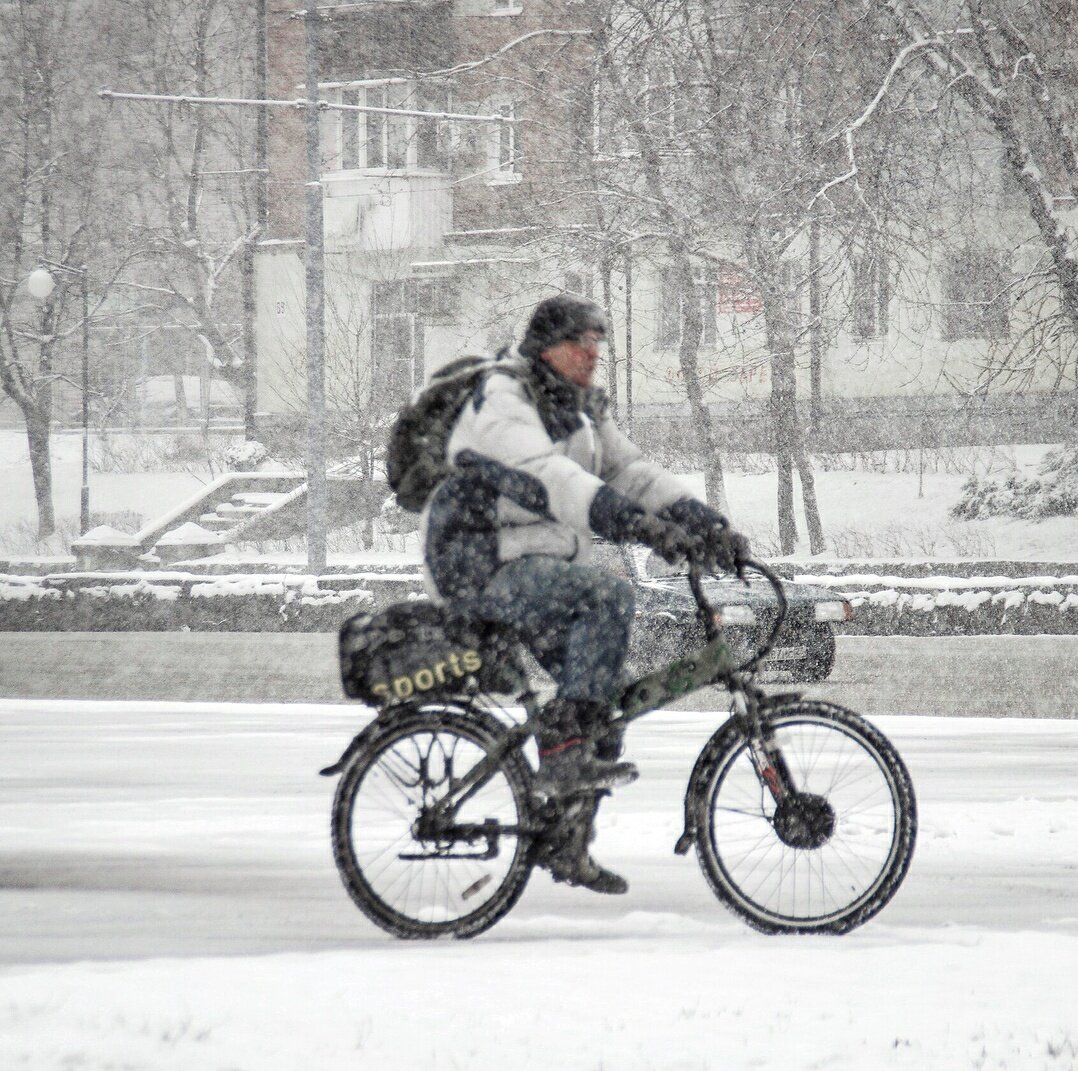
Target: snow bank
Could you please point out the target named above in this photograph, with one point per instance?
(884, 604)
(263, 602)
(972, 967)
(678, 999)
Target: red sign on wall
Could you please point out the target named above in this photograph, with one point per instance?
(734, 294)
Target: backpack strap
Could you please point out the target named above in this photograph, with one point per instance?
(506, 366)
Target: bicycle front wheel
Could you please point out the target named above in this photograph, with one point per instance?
(833, 854)
(421, 883)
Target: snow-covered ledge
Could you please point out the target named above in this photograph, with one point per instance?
(104, 548)
(190, 540)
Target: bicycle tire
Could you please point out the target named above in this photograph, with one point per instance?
(428, 897)
(854, 872)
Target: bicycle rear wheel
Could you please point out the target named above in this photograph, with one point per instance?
(832, 855)
(403, 879)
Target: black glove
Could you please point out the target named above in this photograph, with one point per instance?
(721, 548)
(669, 540)
(727, 550)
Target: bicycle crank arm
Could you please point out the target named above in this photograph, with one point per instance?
(419, 857)
(471, 832)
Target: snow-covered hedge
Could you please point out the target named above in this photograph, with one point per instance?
(884, 604)
(156, 602)
(949, 605)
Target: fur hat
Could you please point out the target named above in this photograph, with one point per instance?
(558, 319)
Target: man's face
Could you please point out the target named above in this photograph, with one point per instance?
(576, 359)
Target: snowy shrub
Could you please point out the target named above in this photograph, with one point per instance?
(163, 602)
(1052, 493)
(125, 453)
(750, 464)
(244, 455)
(897, 540)
(156, 452)
(124, 520)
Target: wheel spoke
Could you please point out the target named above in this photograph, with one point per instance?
(776, 876)
(383, 793)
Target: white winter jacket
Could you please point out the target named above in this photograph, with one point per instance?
(563, 449)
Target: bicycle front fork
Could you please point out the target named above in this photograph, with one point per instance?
(766, 757)
(764, 753)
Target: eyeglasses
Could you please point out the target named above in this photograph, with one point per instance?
(590, 340)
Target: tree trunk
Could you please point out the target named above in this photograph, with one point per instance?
(682, 264)
(812, 509)
(38, 429)
(785, 491)
(692, 329)
(629, 339)
(180, 389)
(611, 341)
(250, 347)
(815, 326)
(784, 419)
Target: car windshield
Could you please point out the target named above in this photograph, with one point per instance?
(655, 568)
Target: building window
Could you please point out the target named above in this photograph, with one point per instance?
(396, 342)
(371, 141)
(871, 297)
(708, 296)
(580, 284)
(505, 141)
(975, 296)
(437, 300)
(350, 123)
(665, 107)
(432, 143)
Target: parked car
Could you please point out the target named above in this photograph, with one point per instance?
(666, 623)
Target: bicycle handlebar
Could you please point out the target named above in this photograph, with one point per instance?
(707, 614)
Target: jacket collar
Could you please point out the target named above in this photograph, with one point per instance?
(567, 398)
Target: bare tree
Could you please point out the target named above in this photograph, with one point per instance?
(736, 115)
(1014, 70)
(51, 169)
(197, 199)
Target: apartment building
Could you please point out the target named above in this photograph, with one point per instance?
(440, 235)
(429, 221)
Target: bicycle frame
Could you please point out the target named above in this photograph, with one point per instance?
(714, 663)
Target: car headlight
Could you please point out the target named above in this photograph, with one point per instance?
(738, 614)
(834, 611)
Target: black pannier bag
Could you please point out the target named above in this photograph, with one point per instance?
(414, 649)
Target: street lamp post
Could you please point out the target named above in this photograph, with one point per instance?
(41, 284)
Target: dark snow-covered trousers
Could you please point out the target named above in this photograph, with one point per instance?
(575, 619)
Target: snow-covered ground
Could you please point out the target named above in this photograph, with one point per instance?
(192, 839)
(865, 514)
(168, 901)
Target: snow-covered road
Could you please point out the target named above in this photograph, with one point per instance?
(169, 843)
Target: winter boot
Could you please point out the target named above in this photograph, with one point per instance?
(567, 757)
(568, 859)
(570, 767)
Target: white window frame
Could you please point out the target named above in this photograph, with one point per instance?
(365, 127)
(502, 157)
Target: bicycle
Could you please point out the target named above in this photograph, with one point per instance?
(803, 814)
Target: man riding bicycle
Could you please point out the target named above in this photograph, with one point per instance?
(540, 468)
